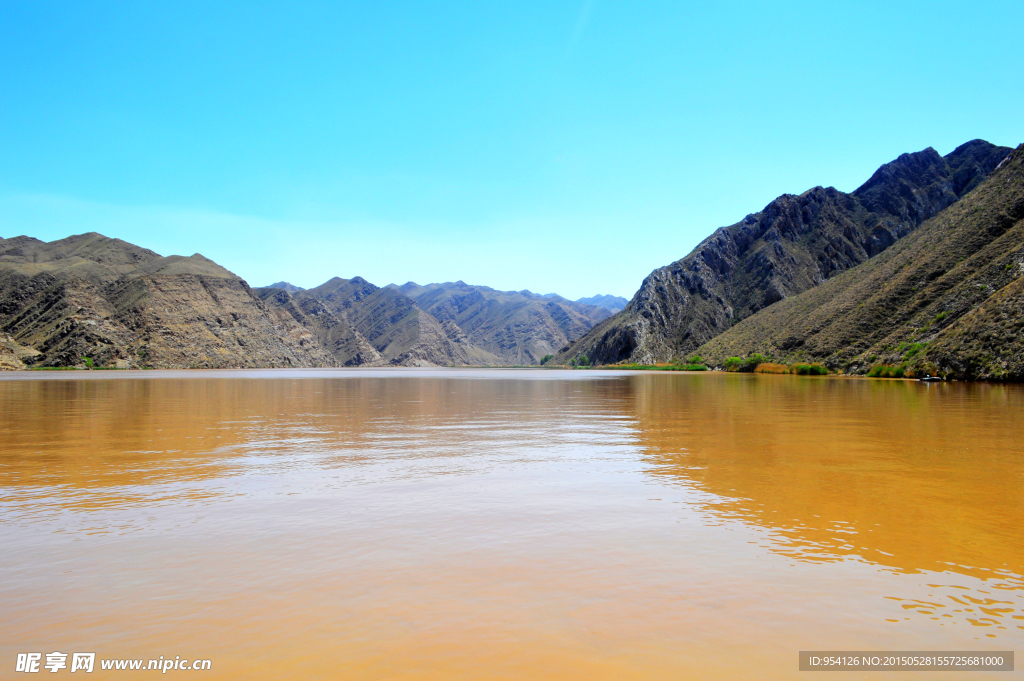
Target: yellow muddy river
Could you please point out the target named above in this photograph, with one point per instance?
(477, 524)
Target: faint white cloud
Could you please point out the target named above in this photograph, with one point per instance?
(579, 29)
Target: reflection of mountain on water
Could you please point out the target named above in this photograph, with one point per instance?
(906, 476)
(103, 445)
(911, 478)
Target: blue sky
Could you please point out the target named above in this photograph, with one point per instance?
(569, 147)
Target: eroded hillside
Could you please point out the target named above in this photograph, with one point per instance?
(92, 299)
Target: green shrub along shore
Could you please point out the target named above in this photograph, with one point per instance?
(760, 364)
(692, 363)
(658, 367)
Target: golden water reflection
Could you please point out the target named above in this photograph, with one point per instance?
(521, 524)
(912, 477)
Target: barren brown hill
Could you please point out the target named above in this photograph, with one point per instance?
(92, 299)
(949, 298)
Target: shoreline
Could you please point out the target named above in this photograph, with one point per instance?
(79, 373)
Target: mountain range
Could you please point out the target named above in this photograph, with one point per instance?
(95, 300)
(920, 267)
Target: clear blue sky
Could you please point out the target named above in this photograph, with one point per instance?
(556, 146)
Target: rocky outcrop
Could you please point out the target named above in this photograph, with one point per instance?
(794, 244)
(333, 332)
(13, 354)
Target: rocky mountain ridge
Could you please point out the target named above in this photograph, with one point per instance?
(794, 244)
(291, 288)
(948, 298)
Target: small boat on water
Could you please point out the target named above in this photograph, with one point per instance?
(929, 378)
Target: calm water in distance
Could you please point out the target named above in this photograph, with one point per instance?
(438, 524)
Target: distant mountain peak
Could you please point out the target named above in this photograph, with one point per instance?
(290, 288)
(608, 302)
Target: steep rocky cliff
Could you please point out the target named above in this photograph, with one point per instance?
(794, 244)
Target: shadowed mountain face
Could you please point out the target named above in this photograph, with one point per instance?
(519, 327)
(115, 303)
(794, 244)
(949, 297)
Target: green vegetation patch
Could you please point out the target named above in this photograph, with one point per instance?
(814, 369)
(662, 367)
(746, 365)
(887, 371)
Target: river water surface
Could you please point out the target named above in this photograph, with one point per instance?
(436, 524)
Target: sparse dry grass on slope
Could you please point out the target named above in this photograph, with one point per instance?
(986, 343)
(947, 297)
